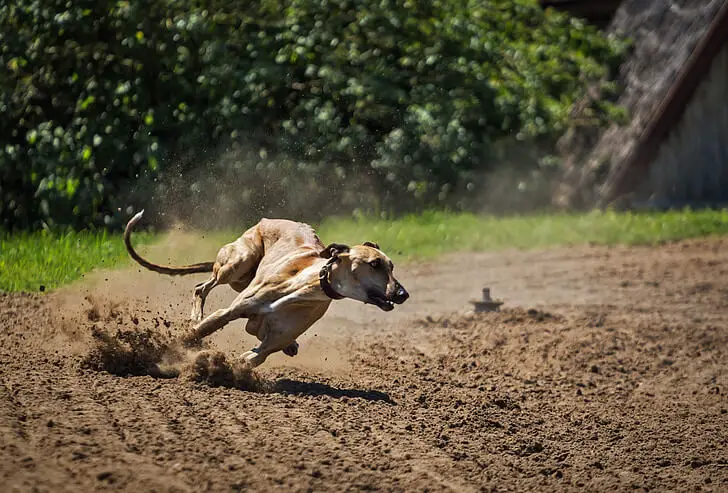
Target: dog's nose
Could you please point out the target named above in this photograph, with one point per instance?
(401, 295)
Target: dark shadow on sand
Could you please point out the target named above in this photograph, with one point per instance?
(296, 387)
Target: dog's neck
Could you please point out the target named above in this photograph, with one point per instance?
(325, 280)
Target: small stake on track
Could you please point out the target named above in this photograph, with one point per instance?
(487, 304)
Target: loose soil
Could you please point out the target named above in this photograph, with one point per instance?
(606, 370)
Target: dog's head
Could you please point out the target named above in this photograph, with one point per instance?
(364, 273)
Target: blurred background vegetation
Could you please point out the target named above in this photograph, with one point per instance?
(304, 109)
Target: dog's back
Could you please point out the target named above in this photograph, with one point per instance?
(282, 237)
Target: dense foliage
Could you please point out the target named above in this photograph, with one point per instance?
(110, 103)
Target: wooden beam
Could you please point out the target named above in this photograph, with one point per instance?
(671, 109)
(595, 11)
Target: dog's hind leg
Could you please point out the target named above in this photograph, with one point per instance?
(282, 334)
(235, 265)
(198, 299)
(257, 356)
(291, 350)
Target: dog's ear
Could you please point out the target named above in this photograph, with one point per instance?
(371, 244)
(334, 250)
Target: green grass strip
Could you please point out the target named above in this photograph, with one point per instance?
(31, 260)
(434, 233)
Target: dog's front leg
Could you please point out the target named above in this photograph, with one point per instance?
(241, 307)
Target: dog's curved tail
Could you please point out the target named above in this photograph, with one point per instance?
(162, 269)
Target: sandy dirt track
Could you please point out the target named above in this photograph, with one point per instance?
(607, 370)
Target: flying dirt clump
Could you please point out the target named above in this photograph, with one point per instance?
(123, 343)
(213, 368)
(126, 344)
(130, 352)
(145, 352)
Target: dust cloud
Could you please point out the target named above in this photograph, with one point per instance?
(147, 346)
(238, 186)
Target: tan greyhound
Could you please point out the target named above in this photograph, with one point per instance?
(286, 279)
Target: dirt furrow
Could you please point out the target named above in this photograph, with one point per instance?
(606, 370)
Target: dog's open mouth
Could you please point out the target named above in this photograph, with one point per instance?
(382, 302)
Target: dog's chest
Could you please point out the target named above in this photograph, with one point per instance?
(293, 319)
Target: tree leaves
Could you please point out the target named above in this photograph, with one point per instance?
(109, 95)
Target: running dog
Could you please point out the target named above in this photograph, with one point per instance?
(286, 278)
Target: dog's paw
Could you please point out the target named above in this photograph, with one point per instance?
(291, 350)
(248, 355)
(196, 314)
(249, 359)
(190, 341)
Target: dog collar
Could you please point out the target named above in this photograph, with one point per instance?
(325, 283)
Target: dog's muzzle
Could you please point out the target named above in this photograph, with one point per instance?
(400, 294)
(387, 302)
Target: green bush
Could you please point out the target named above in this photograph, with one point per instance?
(107, 103)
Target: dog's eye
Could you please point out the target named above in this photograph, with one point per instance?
(376, 263)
